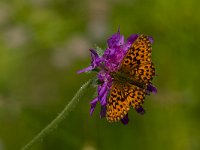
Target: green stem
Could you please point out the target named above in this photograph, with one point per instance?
(59, 118)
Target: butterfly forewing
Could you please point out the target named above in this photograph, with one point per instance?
(142, 49)
(139, 53)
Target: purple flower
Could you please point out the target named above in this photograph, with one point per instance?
(109, 63)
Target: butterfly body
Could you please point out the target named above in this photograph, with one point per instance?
(123, 78)
(130, 82)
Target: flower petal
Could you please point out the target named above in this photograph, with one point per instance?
(96, 60)
(125, 120)
(94, 63)
(103, 111)
(140, 110)
(132, 38)
(151, 88)
(94, 53)
(93, 105)
(103, 99)
(85, 70)
(102, 89)
(115, 40)
(150, 39)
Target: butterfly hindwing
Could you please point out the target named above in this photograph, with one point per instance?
(117, 105)
(121, 98)
(136, 96)
(145, 73)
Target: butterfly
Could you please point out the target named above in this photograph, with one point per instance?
(130, 82)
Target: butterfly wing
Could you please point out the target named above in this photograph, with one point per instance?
(117, 105)
(145, 73)
(122, 96)
(137, 62)
(142, 49)
(136, 96)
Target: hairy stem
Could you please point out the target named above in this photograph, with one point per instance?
(53, 124)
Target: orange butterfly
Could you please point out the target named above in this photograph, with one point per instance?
(131, 80)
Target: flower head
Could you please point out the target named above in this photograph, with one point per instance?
(107, 64)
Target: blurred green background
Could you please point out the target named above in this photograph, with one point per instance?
(44, 42)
